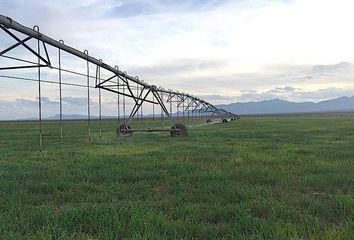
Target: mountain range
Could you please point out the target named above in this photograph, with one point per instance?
(277, 106)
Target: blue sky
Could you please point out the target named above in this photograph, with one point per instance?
(225, 51)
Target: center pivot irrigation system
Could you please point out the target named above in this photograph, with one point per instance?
(173, 104)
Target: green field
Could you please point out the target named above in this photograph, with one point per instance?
(258, 178)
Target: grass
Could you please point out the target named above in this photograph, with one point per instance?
(258, 178)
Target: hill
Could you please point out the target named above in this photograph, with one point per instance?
(277, 106)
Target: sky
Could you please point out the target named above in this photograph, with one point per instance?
(221, 50)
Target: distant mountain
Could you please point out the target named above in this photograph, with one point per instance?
(277, 106)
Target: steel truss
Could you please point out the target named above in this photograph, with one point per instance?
(173, 104)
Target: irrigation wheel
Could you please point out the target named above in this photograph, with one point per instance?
(124, 131)
(179, 130)
(224, 120)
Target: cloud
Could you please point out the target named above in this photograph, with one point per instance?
(324, 94)
(333, 68)
(313, 73)
(285, 89)
(46, 100)
(131, 9)
(295, 94)
(134, 8)
(177, 67)
(216, 97)
(253, 95)
(79, 101)
(25, 102)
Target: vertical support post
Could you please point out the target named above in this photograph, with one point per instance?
(118, 97)
(124, 104)
(177, 103)
(100, 111)
(184, 98)
(161, 109)
(100, 100)
(171, 113)
(188, 103)
(60, 97)
(88, 97)
(153, 110)
(137, 94)
(141, 109)
(197, 114)
(192, 113)
(36, 28)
